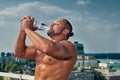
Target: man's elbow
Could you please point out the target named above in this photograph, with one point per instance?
(15, 53)
(18, 53)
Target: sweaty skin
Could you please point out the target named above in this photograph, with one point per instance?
(54, 58)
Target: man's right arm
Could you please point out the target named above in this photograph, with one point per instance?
(21, 50)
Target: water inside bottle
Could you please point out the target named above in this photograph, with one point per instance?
(42, 26)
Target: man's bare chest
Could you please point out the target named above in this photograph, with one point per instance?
(42, 58)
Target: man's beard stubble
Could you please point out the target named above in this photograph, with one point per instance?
(53, 32)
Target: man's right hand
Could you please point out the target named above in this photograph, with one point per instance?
(27, 22)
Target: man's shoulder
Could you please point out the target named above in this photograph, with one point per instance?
(66, 42)
(69, 45)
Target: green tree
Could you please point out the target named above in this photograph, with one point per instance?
(7, 67)
(13, 68)
(1, 78)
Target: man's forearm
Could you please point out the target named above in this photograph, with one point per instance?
(38, 41)
(20, 42)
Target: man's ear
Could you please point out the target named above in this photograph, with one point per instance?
(66, 31)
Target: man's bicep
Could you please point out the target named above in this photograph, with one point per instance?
(29, 52)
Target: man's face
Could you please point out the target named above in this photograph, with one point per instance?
(56, 28)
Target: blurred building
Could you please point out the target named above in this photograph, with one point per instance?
(89, 62)
(80, 48)
(86, 75)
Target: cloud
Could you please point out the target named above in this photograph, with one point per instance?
(32, 7)
(82, 2)
(37, 9)
(41, 11)
(113, 28)
(99, 26)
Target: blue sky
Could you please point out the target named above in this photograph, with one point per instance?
(96, 23)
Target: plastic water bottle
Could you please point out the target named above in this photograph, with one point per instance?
(43, 26)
